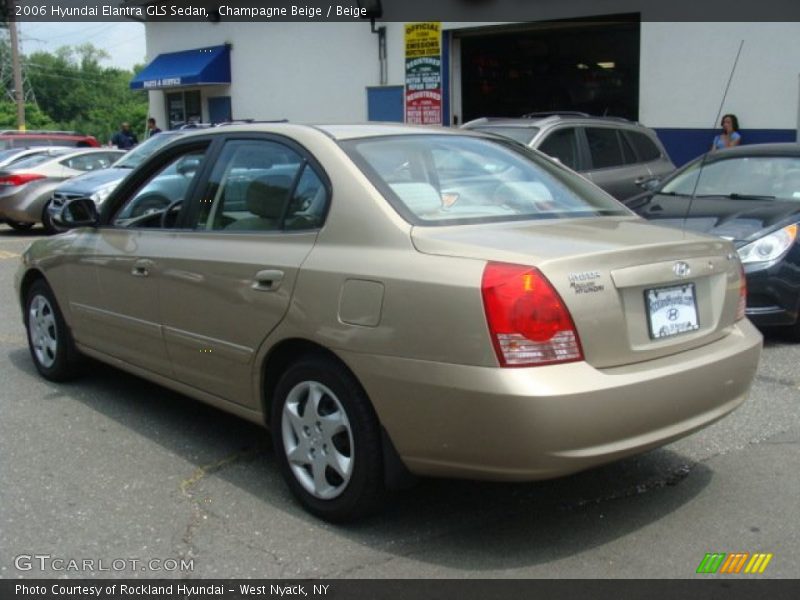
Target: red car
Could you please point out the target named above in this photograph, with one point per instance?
(22, 139)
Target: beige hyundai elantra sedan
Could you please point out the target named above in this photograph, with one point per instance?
(393, 301)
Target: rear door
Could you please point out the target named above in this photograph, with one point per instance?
(614, 166)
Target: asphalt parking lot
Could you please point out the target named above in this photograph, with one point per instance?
(111, 468)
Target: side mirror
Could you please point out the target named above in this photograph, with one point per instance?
(649, 185)
(79, 212)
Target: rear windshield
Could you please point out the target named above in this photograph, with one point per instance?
(523, 135)
(448, 179)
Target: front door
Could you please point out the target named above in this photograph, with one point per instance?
(121, 317)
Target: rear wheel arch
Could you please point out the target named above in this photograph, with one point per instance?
(396, 474)
(278, 360)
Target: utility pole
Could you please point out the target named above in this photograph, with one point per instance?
(19, 92)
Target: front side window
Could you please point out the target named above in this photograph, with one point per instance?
(166, 188)
(260, 185)
(444, 179)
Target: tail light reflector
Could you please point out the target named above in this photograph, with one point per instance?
(19, 179)
(528, 321)
(740, 309)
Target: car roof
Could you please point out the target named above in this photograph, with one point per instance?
(774, 149)
(58, 156)
(337, 131)
(550, 119)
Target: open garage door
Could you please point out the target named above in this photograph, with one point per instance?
(588, 66)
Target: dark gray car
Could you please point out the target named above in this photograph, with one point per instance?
(616, 154)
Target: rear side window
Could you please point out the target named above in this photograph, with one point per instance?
(644, 146)
(562, 144)
(604, 147)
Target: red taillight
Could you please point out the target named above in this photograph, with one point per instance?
(742, 294)
(528, 322)
(19, 179)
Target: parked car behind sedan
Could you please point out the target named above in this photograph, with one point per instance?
(12, 138)
(751, 196)
(614, 153)
(391, 299)
(27, 185)
(13, 155)
(97, 185)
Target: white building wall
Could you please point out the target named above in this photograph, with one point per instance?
(685, 67)
(319, 71)
(299, 71)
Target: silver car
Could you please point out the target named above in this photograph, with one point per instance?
(27, 185)
(616, 154)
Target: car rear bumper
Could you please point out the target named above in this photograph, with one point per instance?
(539, 423)
(24, 208)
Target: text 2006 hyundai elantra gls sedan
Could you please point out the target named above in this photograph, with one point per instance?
(390, 299)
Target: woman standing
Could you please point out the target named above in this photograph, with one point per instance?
(730, 136)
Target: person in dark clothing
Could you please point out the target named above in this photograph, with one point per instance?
(124, 139)
(152, 129)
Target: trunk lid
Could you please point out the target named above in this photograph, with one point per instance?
(605, 269)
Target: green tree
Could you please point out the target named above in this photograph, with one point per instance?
(77, 92)
(34, 117)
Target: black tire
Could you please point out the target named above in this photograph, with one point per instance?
(19, 226)
(49, 339)
(354, 492)
(49, 227)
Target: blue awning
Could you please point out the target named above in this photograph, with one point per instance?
(201, 66)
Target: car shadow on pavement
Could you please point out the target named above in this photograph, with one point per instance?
(473, 526)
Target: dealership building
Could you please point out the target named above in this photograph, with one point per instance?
(671, 76)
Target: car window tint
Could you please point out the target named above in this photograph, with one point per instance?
(167, 186)
(309, 201)
(562, 144)
(628, 155)
(88, 162)
(604, 147)
(249, 187)
(644, 146)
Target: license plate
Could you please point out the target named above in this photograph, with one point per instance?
(671, 310)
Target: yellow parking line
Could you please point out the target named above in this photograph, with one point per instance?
(6, 254)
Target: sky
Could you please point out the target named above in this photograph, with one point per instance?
(124, 41)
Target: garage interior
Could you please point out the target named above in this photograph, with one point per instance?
(587, 66)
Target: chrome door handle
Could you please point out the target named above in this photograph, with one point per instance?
(268, 280)
(141, 268)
